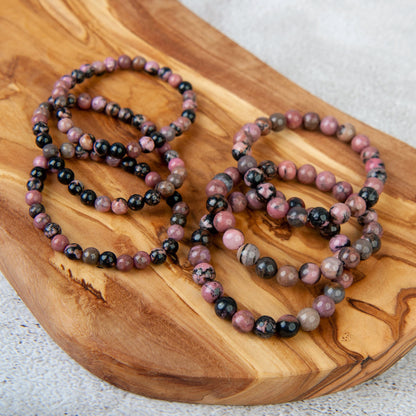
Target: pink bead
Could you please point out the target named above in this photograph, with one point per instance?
(360, 142)
(151, 67)
(234, 174)
(152, 179)
(74, 134)
(293, 119)
(175, 162)
(277, 208)
(67, 80)
(374, 163)
(64, 124)
(39, 117)
(98, 103)
(199, 254)
(325, 181)
(306, 174)
(33, 197)
(168, 133)
(237, 202)
(176, 232)
(110, 64)
(133, 149)
(112, 161)
(375, 183)
(162, 150)
(119, 206)
(189, 95)
(58, 92)
(41, 162)
(124, 62)
(329, 125)
(41, 110)
(346, 279)
(243, 321)
(211, 291)
(216, 186)
(98, 66)
(252, 132)
(241, 147)
(41, 220)
(373, 228)
(324, 305)
(147, 144)
(174, 80)
(102, 204)
(356, 204)
(223, 221)
(341, 191)
(368, 153)
(59, 242)
(253, 202)
(124, 263)
(84, 101)
(184, 122)
(233, 239)
(86, 142)
(141, 260)
(287, 169)
(189, 105)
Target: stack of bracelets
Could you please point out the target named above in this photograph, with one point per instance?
(223, 198)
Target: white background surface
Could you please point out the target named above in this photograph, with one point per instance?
(357, 55)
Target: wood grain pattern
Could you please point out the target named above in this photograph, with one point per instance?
(150, 332)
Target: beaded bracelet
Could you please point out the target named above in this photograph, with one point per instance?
(332, 267)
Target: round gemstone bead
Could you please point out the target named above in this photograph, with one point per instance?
(224, 220)
(59, 242)
(243, 321)
(309, 319)
(199, 254)
(277, 208)
(265, 327)
(369, 195)
(335, 291)
(237, 201)
(318, 217)
(340, 213)
(350, 257)
(91, 256)
(297, 217)
(287, 326)
(307, 174)
(329, 125)
(356, 204)
(211, 291)
(338, 242)
(325, 181)
(248, 254)
(309, 273)
(266, 268)
(324, 305)
(158, 256)
(332, 268)
(124, 263)
(287, 276)
(107, 259)
(202, 273)
(233, 239)
(364, 247)
(73, 251)
(311, 121)
(225, 307)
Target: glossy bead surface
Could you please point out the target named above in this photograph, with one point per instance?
(287, 276)
(350, 257)
(88, 197)
(356, 204)
(338, 242)
(141, 260)
(233, 239)
(265, 327)
(324, 305)
(335, 291)
(225, 307)
(107, 259)
(202, 273)
(199, 254)
(369, 195)
(297, 217)
(243, 321)
(158, 256)
(287, 326)
(90, 256)
(248, 254)
(211, 291)
(364, 247)
(73, 251)
(266, 268)
(309, 273)
(309, 319)
(318, 217)
(332, 268)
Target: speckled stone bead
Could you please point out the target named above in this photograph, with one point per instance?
(216, 203)
(73, 251)
(225, 307)
(338, 242)
(102, 204)
(176, 232)
(306, 174)
(297, 217)
(329, 231)
(364, 247)
(36, 209)
(341, 191)
(287, 326)
(215, 187)
(369, 152)
(340, 213)
(252, 131)
(264, 124)
(335, 291)
(373, 228)
(309, 273)
(107, 260)
(40, 220)
(266, 268)
(269, 169)
(202, 273)
(51, 230)
(234, 174)
(265, 191)
(248, 254)
(253, 177)
(325, 181)
(287, 276)
(356, 204)
(345, 132)
(277, 208)
(350, 257)
(375, 183)
(318, 217)
(141, 260)
(359, 143)
(332, 268)
(67, 150)
(224, 220)
(199, 254)
(265, 327)
(158, 256)
(33, 197)
(369, 195)
(309, 319)
(226, 179)
(233, 239)
(287, 170)
(278, 121)
(211, 291)
(324, 305)
(237, 201)
(329, 125)
(243, 321)
(311, 121)
(59, 242)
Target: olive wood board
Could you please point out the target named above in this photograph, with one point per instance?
(150, 332)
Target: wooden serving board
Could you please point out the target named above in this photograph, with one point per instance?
(150, 332)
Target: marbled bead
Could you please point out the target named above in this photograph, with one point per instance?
(237, 201)
(91, 256)
(379, 174)
(133, 150)
(110, 64)
(51, 230)
(350, 257)
(203, 272)
(278, 121)
(277, 208)
(364, 247)
(102, 204)
(168, 133)
(311, 121)
(199, 254)
(73, 251)
(248, 254)
(124, 263)
(287, 326)
(325, 181)
(265, 327)
(99, 67)
(253, 177)
(370, 196)
(330, 230)
(345, 132)
(167, 188)
(253, 201)
(293, 119)
(245, 163)
(307, 174)
(318, 217)
(252, 131)
(340, 213)
(309, 319)
(226, 179)
(369, 152)
(225, 307)
(329, 125)
(86, 142)
(338, 242)
(37, 118)
(346, 279)
(181, 208)
(324, 305)
(98, 103)
(67, 150)
(356, 204)
(335, 291)
(309, 273)
(174, 80)
(224, 220)
(33, 197)
(59, 242)
(269, 169)
(175, 162)
(216, 186)
(374, 163)
(234, 174)
(287, 276)
(266, 268)
(341, 191)
(119, 206)
(374, 240)
(332, 268)
(265, 191)
(176, 232)
(375, 183)
(152, 179)
(373, 228)
(50, 150)
(243, 321)
(297, 217)
(36, 209)
(146, 144)
(359, 142)
(264, 124)
(211, 291)
(141, 260)
(287, 170)
(233, 239)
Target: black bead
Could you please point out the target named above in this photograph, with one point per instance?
(174, 199)
(227, 180)
(254, 177)
(56, 163)
(63, 112)
(295, 202)
(117, 150)
(269, 169)
(178, 130)
(101, 147)
(225, 307)
(318, 217)
(137, 120)
(125, 115)
(207, 223)
(169, 155)
(266, 267)
(75, 187)
(128, 164)
(378, 174)
(71, 100)
(46, 105)
(43, 139)
(287, 328)
(141, 170)
(148, 128)
(162, 71)
(66, 176)
(60, 102)
(78, 76)
(52, 229)
(106, 260)
(369, 195)
(201, 237)
(40, 127)
(238, 154)
(38, 173)
(88, 197)
(189, 114)
(170, 245)
(216, 203)
(81, 153)
(36, 209)
(112, 109)
(34, 184)
(158, 139)
(178, 219)
(330, 230)
(152, 197)
(89, 71)
(184, 86)
(265, 326)
(158, 256)
(73, 251)
(375, 241)
(135, 202)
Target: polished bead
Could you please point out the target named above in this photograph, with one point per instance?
(297, 217)
(199, 254)
(237, 201)
(346, 279)
(331, 268)
(287, 326)
(364, 247)
(338, 242)
(277, 208)
(201, 237)
(33, 197)
(379, 174)
(215, 187)
(233, 239)
(369, 195)
(119, 206)
(225, 307)
(266, 267)
(318, 217)
(311, 121)
(253, 177)
(40, 220)
(141, 260)
(345, 132)
(306, 174)
(324, 305)
(369, 152)
(234, 174)
(178, 219)
(287, 170)
(243, 321)
(375, 183)
(65, 176)
(36, 209)
(340, 213)
(124, 263)
(50, 150)
(90, 256)
(329, 230)
(226, 179)
(265, 327)
(373, 228)
(103, 204)
(309, 319)
(278, 121)
(265, 191)
(152, 179)
(73, 251)
(329, 125)
(359, 142)
(158, 256)
(309, 273)
(67, 150)
(207, 223)
(350, 257)
(211, 291)
(88, 197)
(356, 204)
(135, 202)
(375, 241)
(51, 230)
(34, 184)
(152, 197)
(245, 163)
(287, 276)
(293, 119)
(176, 232)
(325, 181)
(248, 254)
(203, 272)
(264, 125)
(224, 220)
(59, 242)
(216, 203)
(335, 291)
(117, 150)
